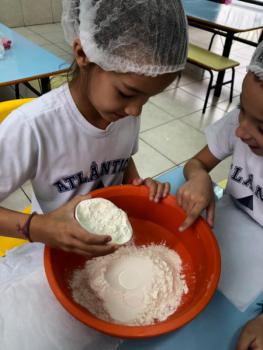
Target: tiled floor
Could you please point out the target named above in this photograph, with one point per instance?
(172, 127)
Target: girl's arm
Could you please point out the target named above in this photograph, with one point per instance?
(203, 162)
(196, 194)
(157, 190)
(9, 220)
(57, 229)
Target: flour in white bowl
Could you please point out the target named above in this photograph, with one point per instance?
(101, 217)
(132, 286)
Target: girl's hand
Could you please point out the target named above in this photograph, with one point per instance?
(157, 189)
(252, 335)
(194, 196)
(60, 229)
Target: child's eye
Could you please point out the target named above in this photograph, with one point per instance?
(124, 95)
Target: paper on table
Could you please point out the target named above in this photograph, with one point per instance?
(29, 310)
(241, 245)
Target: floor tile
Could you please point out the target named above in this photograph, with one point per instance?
(252, 35)
(46, 28)
(199, 89)
(54, 37)
(200, 121)
(239, 77)
(16, 201)
(6, 93)
(25, 31)
(37, 39)
(153, 116)
(185, 79)
(195, 72)
(66, 47)
(190, 74)
(236, 45)
(226, 106)
(175, 140)
(25, 92)
(177, 102)
(149, 162)
(199, 36)
(246, 51)
(241, 70)
(54, 49)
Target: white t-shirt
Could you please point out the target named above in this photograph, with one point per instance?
(245, 180)
(50, 142)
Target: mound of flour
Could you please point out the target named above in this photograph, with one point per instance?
(101, 217)
(132, 286)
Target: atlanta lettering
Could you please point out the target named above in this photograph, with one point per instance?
(247, 181)
(96, 171)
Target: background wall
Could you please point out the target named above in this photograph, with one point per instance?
(17, 13)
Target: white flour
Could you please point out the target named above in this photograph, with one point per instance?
(132, 286)
(100, 216)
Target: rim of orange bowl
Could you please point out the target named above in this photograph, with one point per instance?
(137, 331)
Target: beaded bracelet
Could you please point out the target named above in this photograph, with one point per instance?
(24, 230)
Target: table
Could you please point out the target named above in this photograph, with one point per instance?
(228, 20)
(25, 290)
(26, 61)
(217, 327)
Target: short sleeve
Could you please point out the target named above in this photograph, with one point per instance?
(18, 153)
(221, 135)
(136, 136)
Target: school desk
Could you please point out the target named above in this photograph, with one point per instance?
(26, 61)
(228, 20)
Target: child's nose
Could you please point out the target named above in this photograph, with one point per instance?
(133, 109)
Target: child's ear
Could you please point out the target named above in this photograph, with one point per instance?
(80, 56)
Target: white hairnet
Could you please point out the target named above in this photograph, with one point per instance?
(256, 63)
(146, 37)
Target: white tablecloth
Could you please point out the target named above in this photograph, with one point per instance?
(241, 244)
(30, 316)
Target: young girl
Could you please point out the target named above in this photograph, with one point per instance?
(240, 134)
(82, 135)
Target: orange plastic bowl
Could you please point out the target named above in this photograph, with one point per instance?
(152, 223)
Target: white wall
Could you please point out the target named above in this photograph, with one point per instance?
(16, 13)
